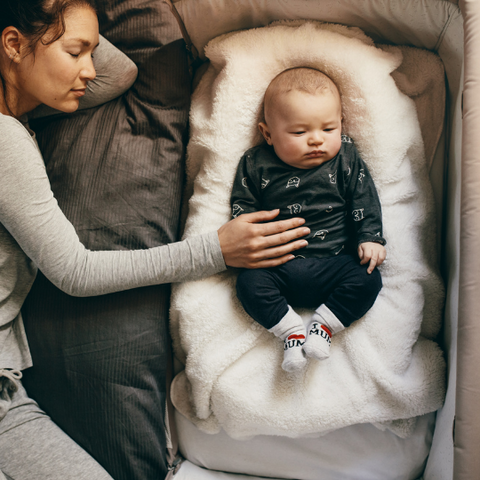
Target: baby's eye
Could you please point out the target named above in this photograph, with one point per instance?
(75, 55)
(328, 129)
(301, 132)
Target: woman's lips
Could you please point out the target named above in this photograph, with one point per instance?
(79, 92)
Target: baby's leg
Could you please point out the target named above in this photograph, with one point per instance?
(260, 292)
(352, 292)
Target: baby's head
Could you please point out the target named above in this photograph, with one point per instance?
(303, 117)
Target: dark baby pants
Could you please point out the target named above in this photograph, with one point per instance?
(341, 283)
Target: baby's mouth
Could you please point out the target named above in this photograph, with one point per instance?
(315, 153)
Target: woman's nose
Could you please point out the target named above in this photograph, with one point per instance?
(88, 71)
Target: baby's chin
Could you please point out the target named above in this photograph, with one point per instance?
(307, 163)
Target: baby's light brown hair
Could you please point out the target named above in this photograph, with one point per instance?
(302, 79)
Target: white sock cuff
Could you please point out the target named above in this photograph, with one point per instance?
(330, 319)
(291, 322)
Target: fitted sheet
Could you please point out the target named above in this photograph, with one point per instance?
(359, 452)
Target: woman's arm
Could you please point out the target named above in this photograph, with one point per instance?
(116, 73)
(29, 211)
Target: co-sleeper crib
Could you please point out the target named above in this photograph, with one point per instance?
(437, 26)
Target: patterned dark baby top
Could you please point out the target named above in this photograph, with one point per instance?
(337, 199)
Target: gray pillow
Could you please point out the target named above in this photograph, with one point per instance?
(117, 172)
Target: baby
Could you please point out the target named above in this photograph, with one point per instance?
(307, 168)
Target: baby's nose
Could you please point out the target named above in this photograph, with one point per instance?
(316, 138)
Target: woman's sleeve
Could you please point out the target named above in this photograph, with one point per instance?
(31, 214)
(116, 73)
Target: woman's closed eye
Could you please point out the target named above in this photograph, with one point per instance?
(76, 55)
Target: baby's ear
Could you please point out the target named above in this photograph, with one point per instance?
(262, 126)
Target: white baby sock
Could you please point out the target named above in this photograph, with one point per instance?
(322, 326)
(292, 331)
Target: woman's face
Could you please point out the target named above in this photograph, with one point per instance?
(57, 74)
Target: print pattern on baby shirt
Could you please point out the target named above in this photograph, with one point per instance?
(236, 210)
(358, 214)
(346, 139)
(321, 234)
(244, 182)
(264, 183)
(333, 177)
(361, 175)
(295, 208)
(293, 182)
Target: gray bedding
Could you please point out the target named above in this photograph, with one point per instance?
(117, 172)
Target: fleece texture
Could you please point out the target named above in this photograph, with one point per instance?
(385, 368)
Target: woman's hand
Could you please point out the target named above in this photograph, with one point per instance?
(248, 243)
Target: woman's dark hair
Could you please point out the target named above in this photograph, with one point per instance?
(34, 18)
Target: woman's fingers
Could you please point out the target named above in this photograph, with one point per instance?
(282, 234)
(281, 250)
(275, 233)
(272, 262)
(272, 257)
(246, 243)
(261, 216)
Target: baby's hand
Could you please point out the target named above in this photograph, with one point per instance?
(371, 252)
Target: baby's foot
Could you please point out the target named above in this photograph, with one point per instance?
(319, 338)
(293, 356)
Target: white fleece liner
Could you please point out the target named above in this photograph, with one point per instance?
(382, 369)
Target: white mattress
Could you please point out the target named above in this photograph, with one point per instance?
(339, 455)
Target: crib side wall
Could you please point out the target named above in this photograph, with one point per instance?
(440, 463)
(404, 22)
(467, 428)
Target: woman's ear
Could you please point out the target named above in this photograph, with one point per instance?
(12, 43)
(262, 126)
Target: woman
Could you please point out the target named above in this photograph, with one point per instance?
(46, 58)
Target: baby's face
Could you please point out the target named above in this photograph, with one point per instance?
(305, 130)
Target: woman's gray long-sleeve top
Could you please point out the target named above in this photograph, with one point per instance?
(34, 233)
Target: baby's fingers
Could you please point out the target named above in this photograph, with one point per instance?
(381, 257)
(373, 262)
(367, 255)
